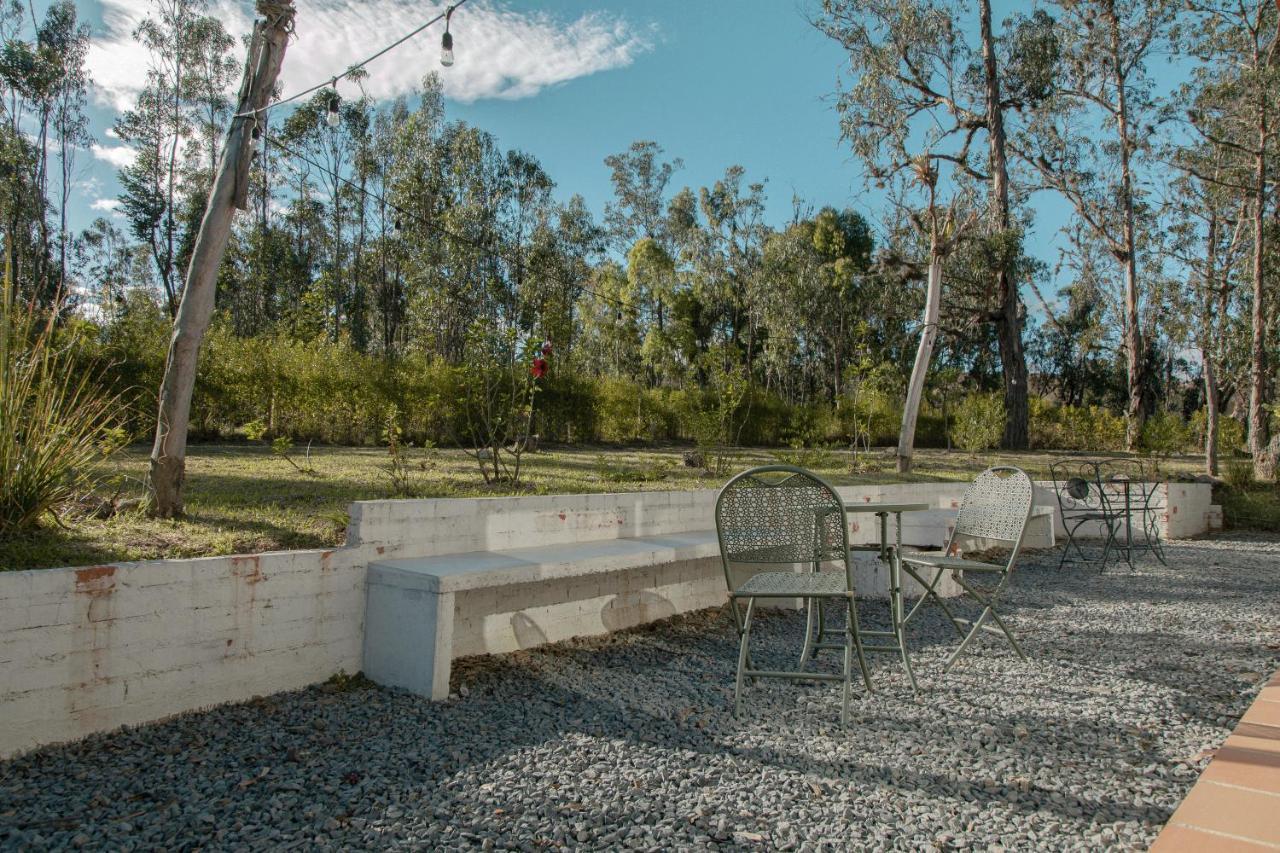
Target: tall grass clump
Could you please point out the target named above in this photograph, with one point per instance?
(54, 417)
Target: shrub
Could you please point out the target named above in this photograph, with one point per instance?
(1230, 432)
(870, 417)
(1239, 474)
(1163, 434)
(56, 421)
(626, 411)
(1088, 428)
(979, 422)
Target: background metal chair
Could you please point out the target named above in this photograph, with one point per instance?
(995, 508)
(1136, 503)
(1082, 501)
(780, 515)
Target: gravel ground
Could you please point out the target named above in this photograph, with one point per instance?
(627, 741)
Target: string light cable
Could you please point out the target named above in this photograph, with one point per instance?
(446, 53)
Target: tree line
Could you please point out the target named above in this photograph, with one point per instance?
(396, 232)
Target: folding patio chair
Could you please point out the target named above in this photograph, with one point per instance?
(995, 508)
(784, 516)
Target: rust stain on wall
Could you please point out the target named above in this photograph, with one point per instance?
(91, 646)
(247, 574)
(89, 576)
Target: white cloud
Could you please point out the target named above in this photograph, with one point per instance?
(106, 205)
(117, 155)
(501, 52)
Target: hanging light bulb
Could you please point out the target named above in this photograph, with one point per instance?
(334, 118)
(446, 41)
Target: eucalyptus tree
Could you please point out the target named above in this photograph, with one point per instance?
(641, 178)
(1235, 108)
(334, 146)
(66, 39)
(814, 299)
(171, 128)
(728, 268)
(907, 116)
(1210, 230)
(44, 83)
(1090, 137)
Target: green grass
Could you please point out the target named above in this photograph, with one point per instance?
(1251, 508)
(242, 499)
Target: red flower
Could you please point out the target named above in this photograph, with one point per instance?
(539, 369)
(546, 347)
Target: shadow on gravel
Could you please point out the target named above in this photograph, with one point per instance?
(1128, 674)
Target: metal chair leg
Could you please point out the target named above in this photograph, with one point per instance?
(852, 627)
(848, 676)
(899, 620)
(987, 600)
(930, 592)
(964, 644)
(809, 606)
(744, 636)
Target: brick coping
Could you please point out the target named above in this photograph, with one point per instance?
(1235, 804)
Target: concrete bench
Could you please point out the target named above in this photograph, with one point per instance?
(421, 613)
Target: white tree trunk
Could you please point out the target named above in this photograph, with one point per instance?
(915, 388)
(229, 192)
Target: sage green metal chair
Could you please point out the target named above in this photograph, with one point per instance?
(778, 515)
(996, 508)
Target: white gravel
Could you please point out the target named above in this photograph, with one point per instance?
(627, 741)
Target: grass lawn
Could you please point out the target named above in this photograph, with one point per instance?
(243, 499)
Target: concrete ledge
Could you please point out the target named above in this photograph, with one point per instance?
(480, 569)
(1235, 804)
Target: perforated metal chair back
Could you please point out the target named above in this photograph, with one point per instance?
(779, 514)
(997, 506)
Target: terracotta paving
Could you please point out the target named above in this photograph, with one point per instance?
(1235, 805)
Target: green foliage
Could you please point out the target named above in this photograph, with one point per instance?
(1239, 474)
(627, 411)
(1163, 434)
(1231, 433)
(56, 423)
(1249, 506)
(810, 458)
(1087, 428)
(979, 422)
(497, 400)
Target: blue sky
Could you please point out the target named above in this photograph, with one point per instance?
(715, 82)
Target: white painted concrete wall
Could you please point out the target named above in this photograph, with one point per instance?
(90, 649)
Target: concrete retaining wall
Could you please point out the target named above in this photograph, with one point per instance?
(90, 649)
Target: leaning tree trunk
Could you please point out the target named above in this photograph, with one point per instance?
(229, 192)
(915, 388)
